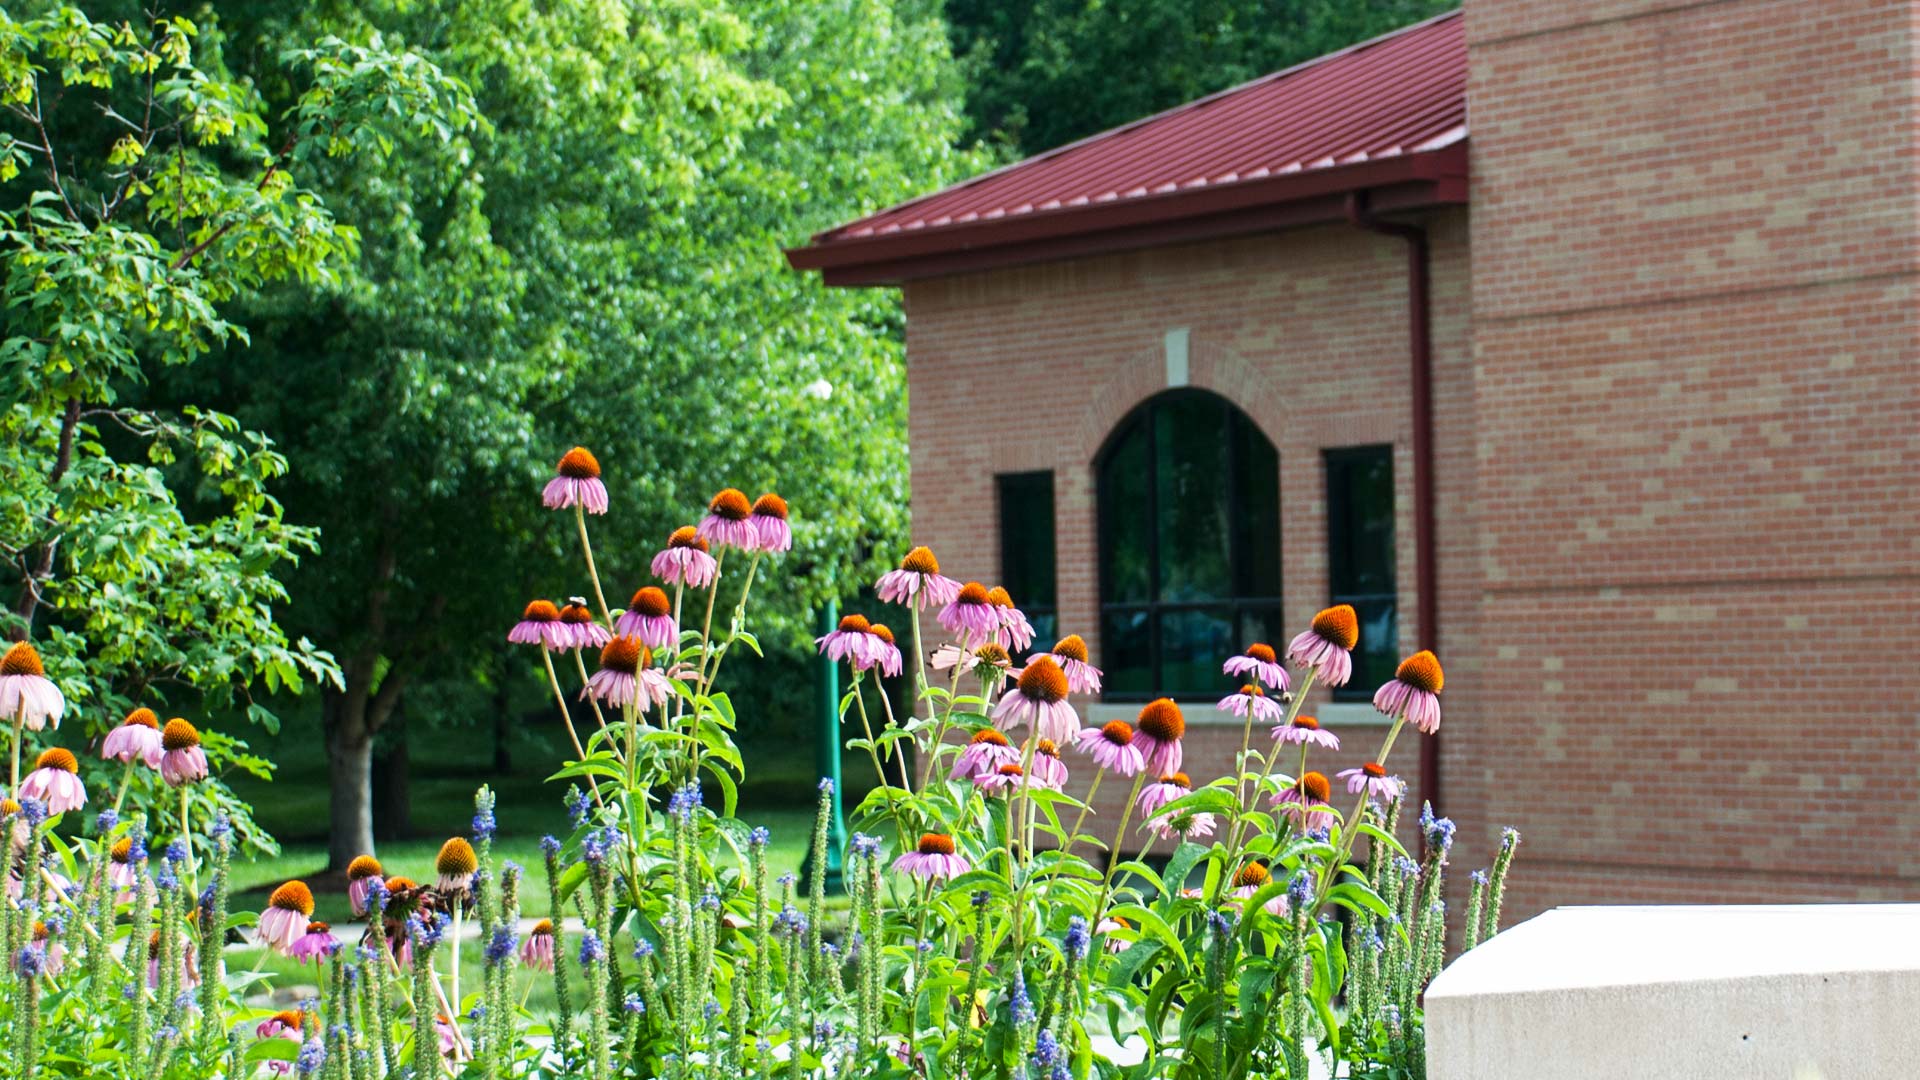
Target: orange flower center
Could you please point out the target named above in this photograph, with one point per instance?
(122, 849)
(292, 1018)
(1177, 779)
(992, 653)
(1253, 874)
(541, 611)
(687, 537)
(999, 597)
(935, 844)
(1263, 653)
(293, 896)
(1047, 747)
(179, 735)
(623, 654)
(1250, 690)
(21, 659)
(880, 631)
(396, 884)
(576, 614)
(456, 857)
(854, 624)
(578, 464)
(1073, 647)
(651, 601)
(1339, 624)
(731, 504)
(1043, 680)
(989, 735)
(972, 593)
(363, 866)
(771, 505)
(544, 926)
(1117, 732)
(1316, 787)
(58, 757)
(1161, 719)
(318, 927)
(1375, 770)
(920, 561)
(142, 717)
(1422, 672)
(1011, 769)
(1307, 722)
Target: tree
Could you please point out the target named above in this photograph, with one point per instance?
(147, 191)
(597, 262)
(1045, 72)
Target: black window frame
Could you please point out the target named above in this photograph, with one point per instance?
(1340, 547)
(1240, 607)
(1035, 610)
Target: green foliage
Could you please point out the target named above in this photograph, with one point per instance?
(1046, 72)
(140, 199)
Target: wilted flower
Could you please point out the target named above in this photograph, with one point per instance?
(455, 864)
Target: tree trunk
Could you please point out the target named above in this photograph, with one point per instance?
(349, 779)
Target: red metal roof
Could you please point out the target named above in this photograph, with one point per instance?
(1387, 116)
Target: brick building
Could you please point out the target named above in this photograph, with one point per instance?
(1612, 399)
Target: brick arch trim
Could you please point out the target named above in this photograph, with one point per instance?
(1144, 375)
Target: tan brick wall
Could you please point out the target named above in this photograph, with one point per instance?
(1031, 368)
(1698, 431)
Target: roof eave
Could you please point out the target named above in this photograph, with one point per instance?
(1429, 178)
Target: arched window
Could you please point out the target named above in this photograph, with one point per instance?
(1189, 520)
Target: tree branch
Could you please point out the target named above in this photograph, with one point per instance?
(29, 599)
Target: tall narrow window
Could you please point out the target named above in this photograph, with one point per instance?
(1189, 494)
(1360, 560)
(1026, 551)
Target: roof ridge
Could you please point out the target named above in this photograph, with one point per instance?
(1183, 107)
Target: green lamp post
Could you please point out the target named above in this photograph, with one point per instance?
(826, 747)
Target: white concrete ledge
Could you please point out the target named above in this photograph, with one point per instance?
(1808, 992)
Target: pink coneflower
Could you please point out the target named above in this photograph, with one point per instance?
(53, 954)
(1415, 691)
(1157, 733)
(451, 1048)
(137, 737)
(1105, 930)
(317, 944)
(537, 951)
(1250, 879)
(729, 521)
(1016, 633)
(576, 483)
(1190, 826)
(1111, 747)
(1306, 801)
(120, 863)
(971, 613)
(684, 561)
(26, 693)
(1169, 787)
(1253, 701)
(281, 1025)
(983, 755)
(933, 859)
(626, 678)
(649, 617)
(55, 780)
(1040, 699)
(850, 641)
(182, 761)
(360, 875)
(769, 519)
(289, 909)
(917, 584)
(1306, 730)
(1048, 770)
(1327, 645)
(540, 625)
(1003, 780)
(1070, 653)
(190, 971)
(989, 663)
(1260, 661)
(882, 652)
(1373, 779)
(576, 619)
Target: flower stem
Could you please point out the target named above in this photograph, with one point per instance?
(19, 736)
(1092, 790)
(946, 718)
(566, 715)
(1351, 827)
(1238, 831)
(580, 665)
(186, 837)
(886, 702)
(1113, 854)
(586, 548)
(893, 808)
(126, 781)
